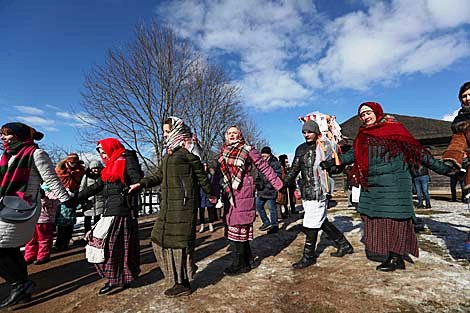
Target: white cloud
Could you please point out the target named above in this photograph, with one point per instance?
(287, 49)
(65, 115)
(450, 117)
(38, 122)
(29, 110)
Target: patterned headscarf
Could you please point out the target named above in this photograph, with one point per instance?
(232, 159)
(179, 136)
(14, 177)
(116, 165)
(389, 138)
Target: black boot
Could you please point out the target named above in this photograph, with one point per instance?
(240, 257)
(342, 244)
(309, 257)
(20, 293)
(393, 262)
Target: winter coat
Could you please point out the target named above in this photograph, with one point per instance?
(95, 205)
(243, 211)
(13, 235)
(264, 188)
(117, 202)
(389, 192)
(282, 195)
(180, 175)
(304, 160)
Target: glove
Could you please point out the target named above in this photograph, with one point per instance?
(327, 164)
(72, 202)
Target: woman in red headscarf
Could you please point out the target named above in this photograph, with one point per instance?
(116, 234)
(383, 153)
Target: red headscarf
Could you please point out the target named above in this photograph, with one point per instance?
(116, 164)
(389, 138)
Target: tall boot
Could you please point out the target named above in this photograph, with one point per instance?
(20, 293)
(239, 265)
(342, 244)
(250, 259)
(309, 257)
(393, 262)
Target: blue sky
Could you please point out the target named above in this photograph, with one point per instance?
(289, 57)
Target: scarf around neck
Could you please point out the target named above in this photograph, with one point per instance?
(388, 138)
(14, 177)
(232, 161)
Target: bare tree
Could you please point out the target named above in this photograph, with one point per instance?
(136, 89)
(152, 78)
(211, 104)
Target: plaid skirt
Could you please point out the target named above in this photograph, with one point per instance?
(385, 235)
(177, 265)
(122, 252)
(239, 232)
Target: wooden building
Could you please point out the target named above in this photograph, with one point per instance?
(432, 133)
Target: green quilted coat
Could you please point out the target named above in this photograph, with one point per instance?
(180, 176)
(389, 193)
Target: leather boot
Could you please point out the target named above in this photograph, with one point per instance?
(309, 257)
(20, 293)
(342, 244)
(393, 262)
(240, 257)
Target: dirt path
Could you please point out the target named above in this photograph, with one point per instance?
(436, 282)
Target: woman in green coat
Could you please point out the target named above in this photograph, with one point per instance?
(382, 154)
(174, 233)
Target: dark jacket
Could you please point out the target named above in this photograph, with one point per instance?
(389, 192)
(420, 170)
(180, 176)
(117, 202)
(304, 160)
(264, 188)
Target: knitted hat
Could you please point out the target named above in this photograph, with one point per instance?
(23, 131)
(266, 150)
(95, 164)
(311, 126)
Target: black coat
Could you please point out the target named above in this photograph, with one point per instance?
(264, 188)
(117, 202)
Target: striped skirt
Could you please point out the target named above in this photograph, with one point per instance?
(384, 235)
(122, 252)
(177, 265)
(239, 232)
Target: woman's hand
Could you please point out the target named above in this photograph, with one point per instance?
(212, 199)
(134, 187)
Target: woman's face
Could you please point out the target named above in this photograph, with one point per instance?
(166, 130)
(103, 154)
(465, 99)
(6, 139)
(233, 135)
(368, 117)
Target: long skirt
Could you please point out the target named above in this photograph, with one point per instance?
(177, 265)
(385, 235)
(122, 252)
(239, 233)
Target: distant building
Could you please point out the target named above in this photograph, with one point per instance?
(432, 133)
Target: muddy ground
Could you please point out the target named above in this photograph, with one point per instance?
(439, 281)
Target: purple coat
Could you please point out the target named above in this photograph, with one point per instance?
(243, 212)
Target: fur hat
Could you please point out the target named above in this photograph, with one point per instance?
(73, 158)
(311, 126)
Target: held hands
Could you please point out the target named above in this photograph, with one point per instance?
(72, 202)
(134, 187)
(327, 164)
(212, 199)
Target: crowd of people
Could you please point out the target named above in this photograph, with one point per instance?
(384, 162)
